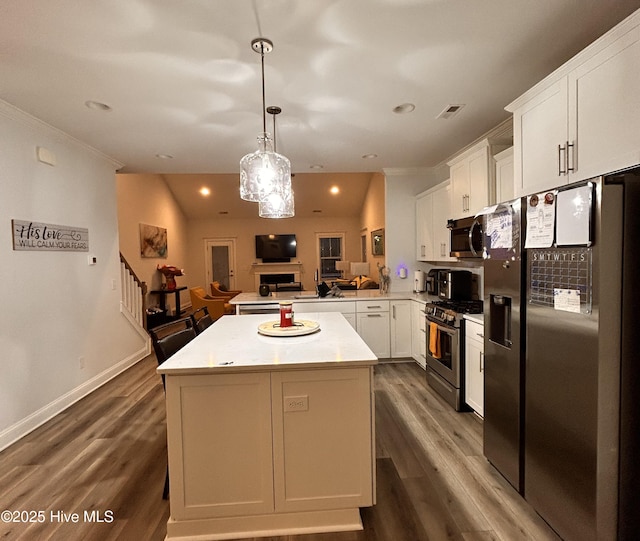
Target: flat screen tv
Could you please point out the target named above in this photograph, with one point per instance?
(275, 248)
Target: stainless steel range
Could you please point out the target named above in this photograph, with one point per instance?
(444, 347)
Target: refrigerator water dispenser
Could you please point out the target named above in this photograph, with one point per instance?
(500, 320)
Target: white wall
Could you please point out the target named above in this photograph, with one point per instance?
(58, 312)
(401, 187)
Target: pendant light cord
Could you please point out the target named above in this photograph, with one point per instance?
(264, 102)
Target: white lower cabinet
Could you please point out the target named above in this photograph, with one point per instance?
(418, 333)
(346, 308)
(474, 365)
(373, 326)
(400, 329)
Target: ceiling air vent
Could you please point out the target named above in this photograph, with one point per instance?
(451, 110)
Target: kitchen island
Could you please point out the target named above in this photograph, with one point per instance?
(269, 435)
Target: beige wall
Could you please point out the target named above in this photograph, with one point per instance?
(147, 199)
(373, 217)
(244, 231)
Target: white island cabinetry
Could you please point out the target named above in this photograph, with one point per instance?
(255, 425)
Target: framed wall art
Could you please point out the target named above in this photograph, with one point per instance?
(153, 241)
(377, 242)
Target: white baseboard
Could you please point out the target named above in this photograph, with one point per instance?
(20, 429)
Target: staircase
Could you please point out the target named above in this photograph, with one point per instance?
(133, 294)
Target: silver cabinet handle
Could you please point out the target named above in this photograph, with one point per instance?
(374, 315)
(571, 147)
(481, 359)
(394, 312)
(480, 335)
(561, 171)
(376, 306)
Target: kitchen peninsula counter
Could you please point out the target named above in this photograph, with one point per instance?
(270, 435)
(305, 297)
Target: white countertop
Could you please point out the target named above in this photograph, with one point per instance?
(310, 296)
(478, 318)
(233, 344)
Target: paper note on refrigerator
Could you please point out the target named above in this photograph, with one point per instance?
(499, 229)
(567, 300)
(541, 220)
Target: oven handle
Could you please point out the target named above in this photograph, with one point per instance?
(441, 328)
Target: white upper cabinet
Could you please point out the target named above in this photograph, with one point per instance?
(473, 178)
(604, 107)
(504, 175)
(424, 235)
(432, 213)
(582, 120)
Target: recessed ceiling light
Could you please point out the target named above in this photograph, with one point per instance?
(205, 191)
(334, 190)
(98, 106)
(164, 156)
(369, 156)
(316, 166)
(404, 108)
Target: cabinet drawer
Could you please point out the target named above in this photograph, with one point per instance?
(372, 306)
(324, 306)
(473, 330)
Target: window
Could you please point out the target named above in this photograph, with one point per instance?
(330, 250)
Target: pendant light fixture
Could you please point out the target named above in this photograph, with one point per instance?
(278, 203)
(264, 174)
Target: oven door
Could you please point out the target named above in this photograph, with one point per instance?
(443, 351)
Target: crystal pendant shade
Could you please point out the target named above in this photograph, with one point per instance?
(277, 204)
(263, 171)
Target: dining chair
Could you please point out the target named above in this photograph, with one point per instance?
(217, 306)
(167, 340)
(201, 319)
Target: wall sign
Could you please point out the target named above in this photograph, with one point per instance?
(37, 236)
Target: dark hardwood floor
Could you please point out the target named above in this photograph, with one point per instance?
(105, 459)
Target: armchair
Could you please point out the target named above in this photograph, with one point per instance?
(216, 307)
(217, 291)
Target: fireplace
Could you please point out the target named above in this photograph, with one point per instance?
(277, 278)
(276, 273)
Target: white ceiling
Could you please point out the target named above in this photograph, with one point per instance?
(182, 79)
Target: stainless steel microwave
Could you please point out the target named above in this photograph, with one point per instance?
(466, 237)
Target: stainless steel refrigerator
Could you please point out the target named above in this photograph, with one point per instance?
(581, 437)
(503, 344)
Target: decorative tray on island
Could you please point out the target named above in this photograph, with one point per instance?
(300, 327)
